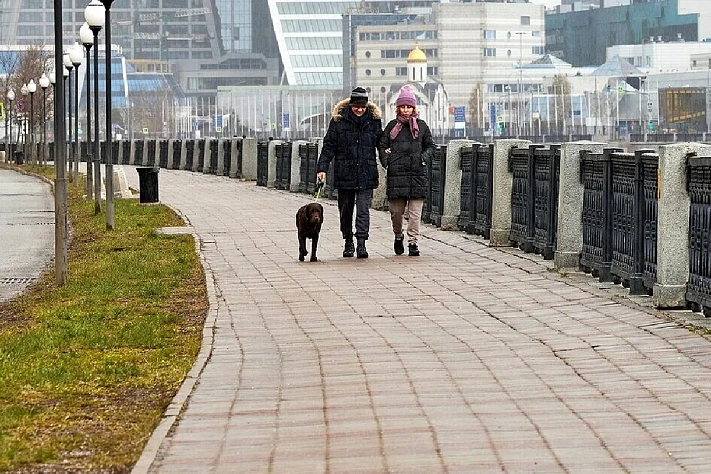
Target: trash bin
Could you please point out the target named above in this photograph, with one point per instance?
(148, 184)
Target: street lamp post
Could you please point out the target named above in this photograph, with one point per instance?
(109, 135)
(44, 83)
(60, 186)
(94, 14)
(76, 55)
(510, 114)
(53, 81)
(69, 66)
(24, 91)
(87, 39)
(10, 99)
(519, 117)
(32, 88)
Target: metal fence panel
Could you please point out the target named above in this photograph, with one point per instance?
(592, 177)
(518, 165)
(698, 184)
(481, 190)
(623, 216)
(189, 154)
(466, 155)
(199, 155)
(262, 163)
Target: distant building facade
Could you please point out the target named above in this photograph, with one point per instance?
(582, 37)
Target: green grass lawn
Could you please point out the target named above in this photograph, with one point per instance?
(86, 370)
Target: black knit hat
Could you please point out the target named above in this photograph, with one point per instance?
(359, 96)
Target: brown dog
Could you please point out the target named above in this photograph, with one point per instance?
(308, 222)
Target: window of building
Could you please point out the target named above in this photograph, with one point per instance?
(382, 72)
(367, 72)
(538, 50)
(367, 54)
(490, 34)
(382, 90)
(402, 71)
(508, 53)
(490, 52)
(525, 20)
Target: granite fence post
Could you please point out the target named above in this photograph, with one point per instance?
(673, 224)
(295, 178)
(249, 158)
(451, 205)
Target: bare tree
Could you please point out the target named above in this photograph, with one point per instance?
(29, 65)
(152, 112)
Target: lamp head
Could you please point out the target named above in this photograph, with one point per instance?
(10, 95)
(67, 62)
(76, 54)
(95, 15)
(52, 78)
(44, 81)
(32, 86)
(24, 90)
(65, 72)
(86, 36)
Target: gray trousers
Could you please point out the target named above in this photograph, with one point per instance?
(348, 199)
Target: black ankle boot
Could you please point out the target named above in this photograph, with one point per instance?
(413, 250)
(349, 248)
(398, 245)
(360, 250)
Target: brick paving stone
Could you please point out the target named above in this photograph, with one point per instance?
(465, 359)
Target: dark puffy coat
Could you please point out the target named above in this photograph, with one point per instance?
(407, 161)
(351, 142)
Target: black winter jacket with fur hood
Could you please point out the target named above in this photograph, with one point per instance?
(351, 143)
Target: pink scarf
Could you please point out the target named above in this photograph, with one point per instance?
(402, 120)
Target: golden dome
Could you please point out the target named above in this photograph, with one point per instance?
(417, 56)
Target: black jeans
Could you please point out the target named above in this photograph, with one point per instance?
(348, 199)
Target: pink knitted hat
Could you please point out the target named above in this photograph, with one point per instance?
(406, 97)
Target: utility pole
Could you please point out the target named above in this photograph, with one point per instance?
(520, 83)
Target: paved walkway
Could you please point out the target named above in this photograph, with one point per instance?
(466, 359)
(26, 231)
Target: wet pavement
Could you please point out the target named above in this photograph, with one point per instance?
(26, 231)
(465, 359)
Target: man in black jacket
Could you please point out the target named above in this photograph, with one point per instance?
(351, 143)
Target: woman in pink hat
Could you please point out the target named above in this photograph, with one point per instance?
(406, 146)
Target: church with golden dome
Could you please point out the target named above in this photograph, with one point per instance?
(432, 102)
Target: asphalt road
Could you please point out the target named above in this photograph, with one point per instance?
(26, 231)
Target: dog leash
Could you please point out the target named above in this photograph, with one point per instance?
(319, 188)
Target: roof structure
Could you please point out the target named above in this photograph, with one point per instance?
(550, 61)
(617, 67)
